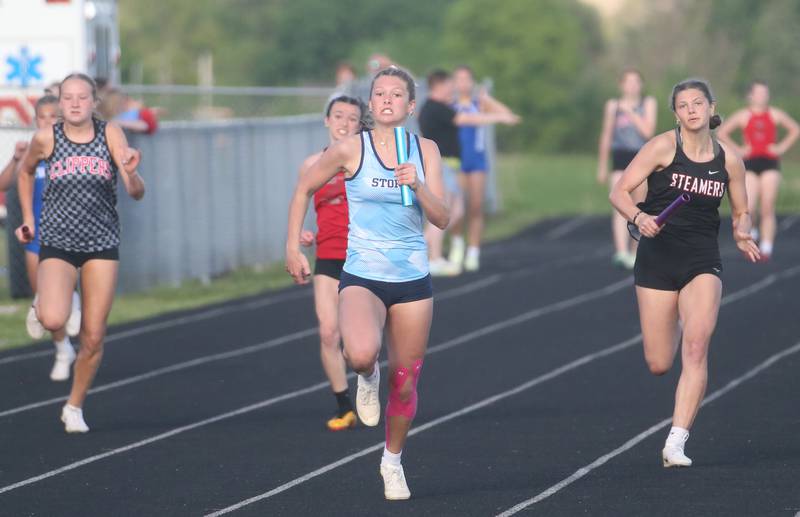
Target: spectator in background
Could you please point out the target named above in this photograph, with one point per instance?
(378, 62)
(474, 166)
(628, 123)
(54, 89)
(128, 113)
(439, 121)
(761, 150)
(345, 76)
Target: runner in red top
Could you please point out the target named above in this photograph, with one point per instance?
(761, 151)
(343, 118)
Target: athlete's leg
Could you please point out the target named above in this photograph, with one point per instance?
(456, 226)
(658, 313)
(769, 184)
(55, 281)
(98, 282)
(476, 187)
(408, 328)
(753, 186)
(362, 317)
(326, 302)
(698, 303)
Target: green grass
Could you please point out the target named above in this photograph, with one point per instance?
(532, 186)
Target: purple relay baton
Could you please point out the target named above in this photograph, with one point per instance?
(679, 201)
(663, 216)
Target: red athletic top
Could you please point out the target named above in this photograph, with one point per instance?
(330, 202)
(759, 133)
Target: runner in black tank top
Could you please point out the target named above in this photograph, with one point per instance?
(678, 265)
(687, 245)
(79, 225)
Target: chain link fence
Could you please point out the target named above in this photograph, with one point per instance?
(217, 198)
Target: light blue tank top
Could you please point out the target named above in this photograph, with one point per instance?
(385, 241)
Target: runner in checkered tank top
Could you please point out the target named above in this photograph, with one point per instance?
(79, 225)
(82, 189)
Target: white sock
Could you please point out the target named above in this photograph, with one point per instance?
(456, 240)
(371, 377)
(766, 247)
(70, 407)
(64, 346)
(390, 458)
(473, 252)
(677, 436)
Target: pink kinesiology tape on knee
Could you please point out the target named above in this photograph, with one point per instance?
(397, 406)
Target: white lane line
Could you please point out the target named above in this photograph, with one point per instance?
(738, 295)
(567, 226)
(583, 471)
(27, 355)
(173, 322)
(272, 343)
(433, 423)
(785, 224)
(290, 395)
(305, 293)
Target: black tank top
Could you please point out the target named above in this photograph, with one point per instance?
(696, 223)
(79, 211)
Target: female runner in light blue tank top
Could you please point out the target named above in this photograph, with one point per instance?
(385, 282)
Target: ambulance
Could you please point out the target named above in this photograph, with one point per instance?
(42, 41)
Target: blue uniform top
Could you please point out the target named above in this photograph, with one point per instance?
(385, 241)
(472, 140)
(39, 184)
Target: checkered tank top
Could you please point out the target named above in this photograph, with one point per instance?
(79, 205)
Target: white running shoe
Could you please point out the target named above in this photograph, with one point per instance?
(673, 456)
(472, 263)
(441, 267)
(62, 364)
(629, 261)
(395, 487)
(73, 419)
(456, 255)
(368, 402)
(74, 321)
(33, 325)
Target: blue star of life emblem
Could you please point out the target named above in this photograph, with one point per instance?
(24, 67)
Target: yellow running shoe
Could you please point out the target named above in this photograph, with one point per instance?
(340, 423)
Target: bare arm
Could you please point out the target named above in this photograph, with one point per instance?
(604, 147)
(307, 236)
(430, 193)
(792, 131)
(489, 104)
(729, 125)
(126, 159)
(654, 155)
(137, 126)
(485, 119)
(344, 154)
(737, 194)
(7, 174)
